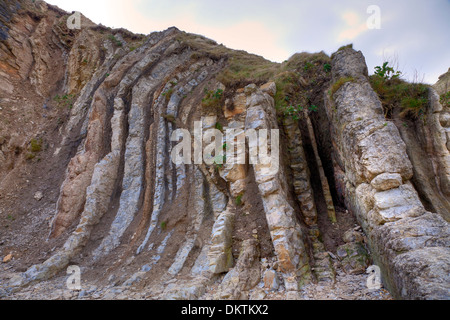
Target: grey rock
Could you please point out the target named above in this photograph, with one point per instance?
(220, 254)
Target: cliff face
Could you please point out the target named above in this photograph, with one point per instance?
(90, 119)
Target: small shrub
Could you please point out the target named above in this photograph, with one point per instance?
(386, 72)
(168, 94)
(115, 41)
(219, 161)
(196, 56)
(349, 46)
(212, 99)
(416, 102)
(218, 94)
(445, 99)
(36, 145)
(34, 148)
(288, 90)
(308, 66)
(164, 225)
(65, 101)
(394, 92)
(293, 112)
(239, 199)
(218, 126)
(313, 108)
(327, 67)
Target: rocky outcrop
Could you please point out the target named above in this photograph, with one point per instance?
(443, 84)
(427, 145)
(244, 276)
(220, 255)
(89, 177)
(377, 177)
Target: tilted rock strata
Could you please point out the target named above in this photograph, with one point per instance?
(377, 173)
(122, 205)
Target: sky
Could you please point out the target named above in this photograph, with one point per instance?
(414, 35)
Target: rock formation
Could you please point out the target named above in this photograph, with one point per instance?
(90, 119)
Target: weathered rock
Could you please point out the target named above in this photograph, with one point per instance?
(353, 236)
(354, 258)
(443, 84)
(417, 271)
(244, 276)
(397, 203)
(285, 232)
(38, 196)
(186, 290)
(106, 164)
(369, 150)
(80, 169)
(7, 258)
(220, 255)
(236, 106)
(269, 88)
(386, 181)
(428, 149)
(271, 280)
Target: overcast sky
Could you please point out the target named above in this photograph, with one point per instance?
(414, 33)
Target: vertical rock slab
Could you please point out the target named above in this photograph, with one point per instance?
(377, 170)
(98, 195)
(220, 255)
(79, 172)
(194, 227)
(134, 168)
(284, 228)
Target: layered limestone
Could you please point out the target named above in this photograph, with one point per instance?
(427, 143)
(377, 171)
(244, 276)
(101, 107)
(220, 255)
(284, 228)
(305, 197)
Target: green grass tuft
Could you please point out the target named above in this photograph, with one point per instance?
(213, 99)
(115, 41)
(239, 199)
(36, 145)
(348, 46)
(339, 83)
(445, 99)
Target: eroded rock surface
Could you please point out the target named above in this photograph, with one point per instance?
(378, 188)
(90, 120)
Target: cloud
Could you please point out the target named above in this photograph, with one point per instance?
(354, 26)
(416, 31)
(252, 36)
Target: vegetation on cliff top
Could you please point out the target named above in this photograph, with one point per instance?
(294, 77)
(394, 92)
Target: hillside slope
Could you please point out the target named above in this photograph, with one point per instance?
(90, 117)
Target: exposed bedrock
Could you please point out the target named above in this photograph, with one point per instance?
(427, 144)
(377, 175)
(91, 123)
